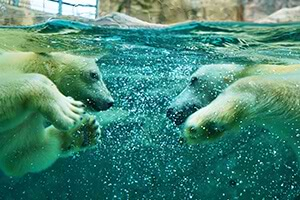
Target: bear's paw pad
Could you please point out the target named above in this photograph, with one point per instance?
(86, 135)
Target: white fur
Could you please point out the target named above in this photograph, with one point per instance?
(268, 96)
(29, 96)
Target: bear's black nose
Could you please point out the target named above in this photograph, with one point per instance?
(176, 116)
(110, 104)
(100, 105)
(170, 113)
(179, 114)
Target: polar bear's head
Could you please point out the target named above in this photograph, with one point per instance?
(204, 86)
(80, 78)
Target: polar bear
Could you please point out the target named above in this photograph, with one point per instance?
(35, 88)
(204, 86)
(268, 96)
(209, 81)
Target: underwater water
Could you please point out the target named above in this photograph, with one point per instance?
(140, 157)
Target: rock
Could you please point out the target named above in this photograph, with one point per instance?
(11, 15)
(283, 15)
(257, 9)
(153, 13)
(221, 10)
(122, 20)
(173, 11)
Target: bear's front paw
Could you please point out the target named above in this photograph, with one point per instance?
(84, 136)
(66, 112)
(61, 111)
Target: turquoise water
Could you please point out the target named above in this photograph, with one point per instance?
(140, 157)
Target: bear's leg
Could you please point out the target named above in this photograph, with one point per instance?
(61, 111)
(40, 154)
(34, 156)
(225, 113)
(24, 94)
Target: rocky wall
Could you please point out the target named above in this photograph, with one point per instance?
(172, 11)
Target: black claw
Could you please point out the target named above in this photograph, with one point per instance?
(95, 127)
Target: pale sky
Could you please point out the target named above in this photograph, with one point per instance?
(52, 7)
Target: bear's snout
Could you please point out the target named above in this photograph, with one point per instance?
(100, 104)
(175, 116)
(108, 104)
(179, 115)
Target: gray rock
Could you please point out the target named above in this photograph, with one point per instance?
(123, 20)
(283, 15)
(258, 9)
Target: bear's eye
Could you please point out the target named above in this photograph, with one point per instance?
(95, 76)
(193, 80)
